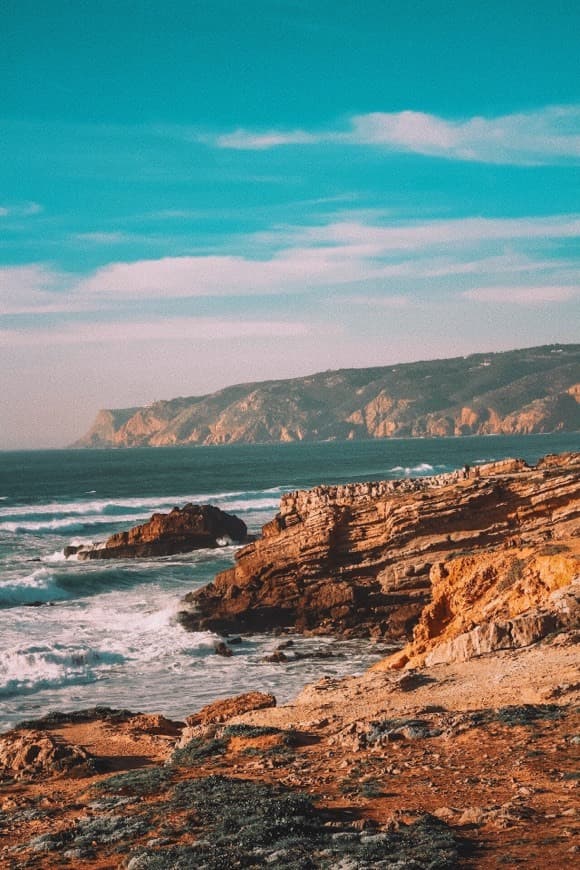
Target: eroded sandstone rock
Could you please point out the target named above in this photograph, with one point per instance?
(192, 527)
(29, 753)
(502, 599)
(221, 711)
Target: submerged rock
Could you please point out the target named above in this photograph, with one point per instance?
(193, 527)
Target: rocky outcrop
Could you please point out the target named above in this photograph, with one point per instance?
(192, 527)
(517, 392)
(356, 559)
(28, 753)
(495, 600)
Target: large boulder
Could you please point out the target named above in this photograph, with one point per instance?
(193, 527)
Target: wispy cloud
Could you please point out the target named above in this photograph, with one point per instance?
(170, 329)
(32, 289)
(26, 209)
(544, 136)
(542, 295)
(243, 140)
(395, 259)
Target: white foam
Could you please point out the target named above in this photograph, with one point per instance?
(118, 506)
(57, 556)
(420, 468)
(38, 586)
(27, 669)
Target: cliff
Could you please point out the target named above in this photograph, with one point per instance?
(356, 559)
(516, 392)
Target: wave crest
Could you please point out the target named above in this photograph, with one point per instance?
(30, 669)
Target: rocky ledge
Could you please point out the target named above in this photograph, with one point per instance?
(357, 559)
(193, 527)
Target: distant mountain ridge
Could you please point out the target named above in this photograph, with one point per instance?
(531, 390)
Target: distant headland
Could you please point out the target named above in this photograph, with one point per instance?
(518, 392)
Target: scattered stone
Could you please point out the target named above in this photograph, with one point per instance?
(222, 649)
(277, 657)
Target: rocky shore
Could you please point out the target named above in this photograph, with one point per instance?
(356, 560)
(459, 751)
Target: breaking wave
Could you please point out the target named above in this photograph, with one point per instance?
(48, 586)
(29, 669)
(84, 515)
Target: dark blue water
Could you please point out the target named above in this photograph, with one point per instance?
(107, 632)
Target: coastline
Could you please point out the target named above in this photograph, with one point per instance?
(464, 762)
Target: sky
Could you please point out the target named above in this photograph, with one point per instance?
(196, 194)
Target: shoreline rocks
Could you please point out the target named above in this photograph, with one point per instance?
(355, 559)
(192, 527)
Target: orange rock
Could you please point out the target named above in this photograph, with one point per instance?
(26, 753)
(355, 559)
(221, 711)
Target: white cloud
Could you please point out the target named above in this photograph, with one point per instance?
(461, 231)
(348, 254)
(33, 289)
(26, 209)
(291, 269)
(547, 135)
(243, 140)
(542, 295)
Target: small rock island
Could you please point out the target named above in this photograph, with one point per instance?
(192, 527)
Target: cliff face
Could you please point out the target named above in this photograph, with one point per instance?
(517, 392)
(356, 559)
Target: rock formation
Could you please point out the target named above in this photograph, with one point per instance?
(28, 753)
(356, 559)
(192, 527)
(503, 598)
(517, 392)
(468, 760)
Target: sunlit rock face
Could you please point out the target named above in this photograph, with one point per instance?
(359, 559)
(193, 527)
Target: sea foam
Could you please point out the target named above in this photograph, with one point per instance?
(28, 669)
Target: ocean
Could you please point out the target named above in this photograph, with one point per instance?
(75, 634)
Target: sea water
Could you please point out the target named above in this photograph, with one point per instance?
(74, 634)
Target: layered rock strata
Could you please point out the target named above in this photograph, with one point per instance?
(356, 559)
(193, 527)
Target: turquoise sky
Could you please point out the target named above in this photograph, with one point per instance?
(194, 194)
